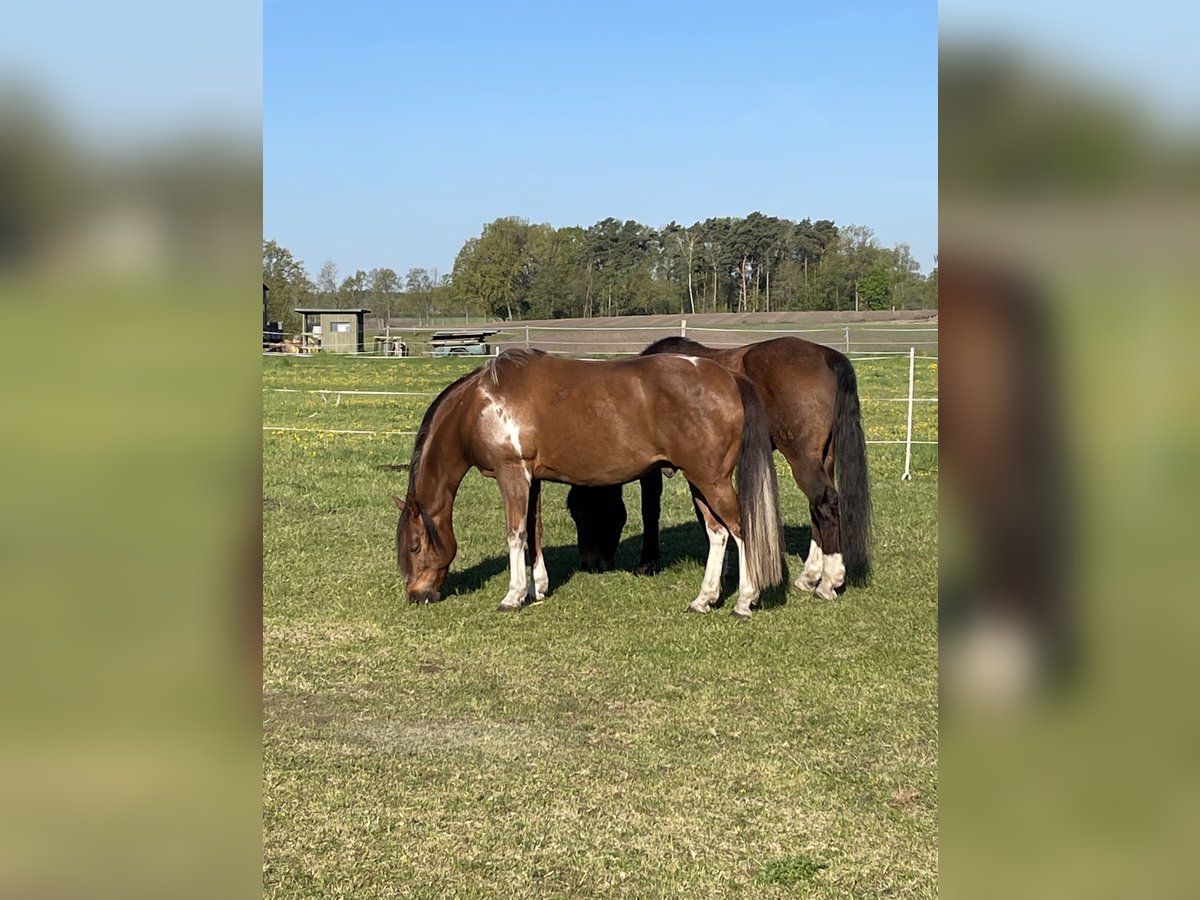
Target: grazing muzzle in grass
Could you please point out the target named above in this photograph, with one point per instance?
(599, 515)
(423, 556)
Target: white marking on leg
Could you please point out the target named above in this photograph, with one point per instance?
(541, 578)
(747, 591)
(835, 569)
(811, 576)
(832, 577)
(517, 579)
(710, 587)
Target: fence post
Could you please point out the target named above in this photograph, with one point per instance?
(912, 364)
(847, 340)
(526, 337)
(683, 328)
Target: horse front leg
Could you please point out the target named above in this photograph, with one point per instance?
(652, 488)
(540, 585)
(515, 491)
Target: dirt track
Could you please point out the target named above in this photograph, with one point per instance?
(867, 331)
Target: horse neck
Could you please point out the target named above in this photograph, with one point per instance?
(442, 468)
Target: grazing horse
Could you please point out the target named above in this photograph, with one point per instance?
(811, 396)
(526, 417)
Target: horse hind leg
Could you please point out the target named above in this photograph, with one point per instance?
(810, 479)
(747, 591)
(718, 536)
(823, 572)
(833, 569)
(720, 510)
(810, 575)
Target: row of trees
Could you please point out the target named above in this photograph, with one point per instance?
(421, 294)
(516, 269)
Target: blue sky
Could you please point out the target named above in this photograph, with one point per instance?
(392, 132)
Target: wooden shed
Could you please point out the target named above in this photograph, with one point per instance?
(336, 330)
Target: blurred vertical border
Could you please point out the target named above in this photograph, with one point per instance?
(130, 228)
(1069, 141)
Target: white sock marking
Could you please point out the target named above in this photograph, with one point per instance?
(747, 591)
(517, 579)
(811, 576)
(710, 587)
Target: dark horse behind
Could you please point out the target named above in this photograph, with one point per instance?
(526, 417)
(811, 396)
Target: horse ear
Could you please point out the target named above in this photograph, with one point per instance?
(399, 503)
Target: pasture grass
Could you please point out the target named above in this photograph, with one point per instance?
(602, 742)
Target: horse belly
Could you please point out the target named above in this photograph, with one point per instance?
(598, 474)
(594, 462)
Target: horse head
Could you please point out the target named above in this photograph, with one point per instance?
(423, 554)
(599, 515)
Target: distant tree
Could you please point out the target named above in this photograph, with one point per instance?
(854, 253)
(355, 290)
(908, 287)
(875, 288)
(327, 283)
(383, 291)
(495, 267)
(553, 286)
(679, 247)
(289, 285)
(418, 289)
(714, 251)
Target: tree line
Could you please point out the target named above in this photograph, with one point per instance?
(520, 270)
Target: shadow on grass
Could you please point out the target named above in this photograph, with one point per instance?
(679, 544)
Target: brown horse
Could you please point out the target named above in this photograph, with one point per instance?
(811, 397)
(526, 417)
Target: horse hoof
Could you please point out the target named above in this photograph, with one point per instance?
(805, 585)
(503, 607)
(740, 616)
(698, 612)
(826, 593)
(646, 568)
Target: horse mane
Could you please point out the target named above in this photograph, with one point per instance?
(510, 359)
(676, 344)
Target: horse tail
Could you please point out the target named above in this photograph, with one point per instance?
(854, 487)
(758, 492)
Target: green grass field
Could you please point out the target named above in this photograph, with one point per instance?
(602, 742)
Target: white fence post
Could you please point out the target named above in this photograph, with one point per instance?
(683, 328)
(526, 337)
(847, 340)
(912, 365)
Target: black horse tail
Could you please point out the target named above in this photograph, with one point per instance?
(854, 487)
(758, 492)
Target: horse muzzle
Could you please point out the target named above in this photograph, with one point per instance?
(424, 596)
